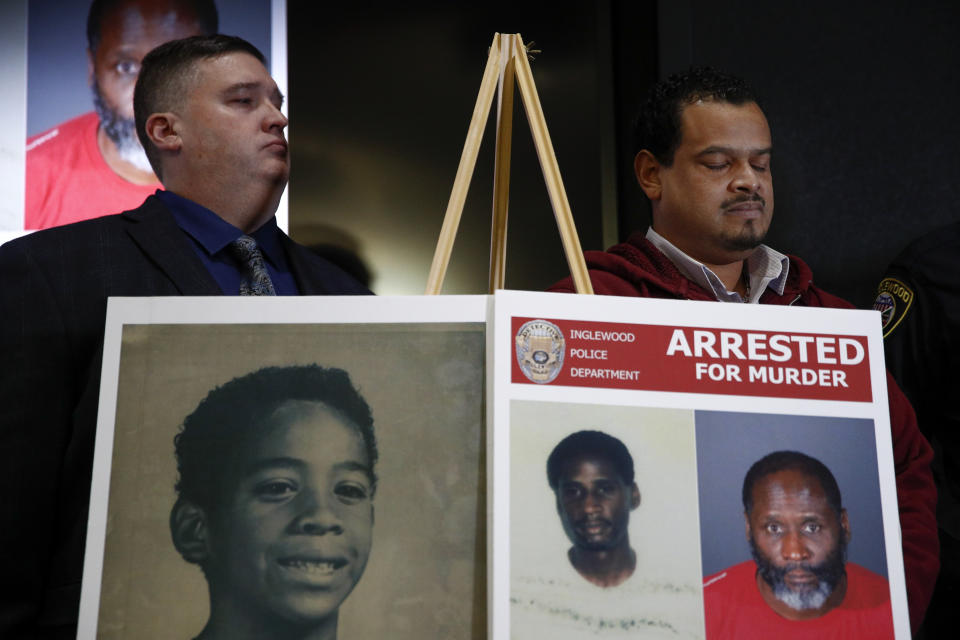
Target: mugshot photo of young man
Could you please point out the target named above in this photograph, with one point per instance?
(592, 475)
(604, 540)
(275, 500)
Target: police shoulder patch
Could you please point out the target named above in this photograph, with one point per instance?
(894, 299)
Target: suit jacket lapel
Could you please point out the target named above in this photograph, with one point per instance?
(155, 231)
(309, 281)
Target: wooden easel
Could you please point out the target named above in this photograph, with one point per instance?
(507, 61)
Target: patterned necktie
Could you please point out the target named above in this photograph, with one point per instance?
(255, 281)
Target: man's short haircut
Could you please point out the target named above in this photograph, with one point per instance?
(205, 11)
(658, 125)
(167, 74)
(594, 444)
(791, 461)
(213, 438)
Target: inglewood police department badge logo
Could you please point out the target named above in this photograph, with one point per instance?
(893, 301)
(540, 347)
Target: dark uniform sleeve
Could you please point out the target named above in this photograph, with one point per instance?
(919, 300)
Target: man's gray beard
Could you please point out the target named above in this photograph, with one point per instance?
(804, 600)
(121, 131)
(828, 574)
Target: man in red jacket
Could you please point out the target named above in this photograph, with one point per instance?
(703, 159)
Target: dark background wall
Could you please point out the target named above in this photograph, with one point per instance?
(860, 97)
(380, 101)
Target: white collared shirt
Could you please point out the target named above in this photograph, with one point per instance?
(766, 267)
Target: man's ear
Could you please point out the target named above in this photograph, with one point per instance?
(89, 67)
(162, 130)
(845, 525)
(746, 524)
(634, 496)
(647, 169)
(189, 529)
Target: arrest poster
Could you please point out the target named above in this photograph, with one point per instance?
(675, 469)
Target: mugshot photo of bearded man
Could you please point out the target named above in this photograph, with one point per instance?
(793, 543)
(83, 157)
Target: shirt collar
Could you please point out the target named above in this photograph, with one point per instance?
(213, 233)
(766, 267)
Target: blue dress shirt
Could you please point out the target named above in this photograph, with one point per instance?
(211, 234)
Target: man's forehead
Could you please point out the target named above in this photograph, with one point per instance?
(588, 463)
(714, 123)
(748, 108)
(318, 419)
(287, 410)
(792, 485)
(134, 19)
(234, 68)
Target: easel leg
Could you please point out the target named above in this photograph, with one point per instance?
(551, 170)
(501, 167)
(468, 160)
(507, 59)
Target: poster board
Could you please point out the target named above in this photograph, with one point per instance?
(643, 372)
(418, 363)
(694, 405)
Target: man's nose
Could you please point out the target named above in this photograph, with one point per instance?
(317, 515)
(591, 504)
(794, 547)
(274, 119)
(746, 179)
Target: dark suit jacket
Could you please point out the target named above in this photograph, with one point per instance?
(54, 287)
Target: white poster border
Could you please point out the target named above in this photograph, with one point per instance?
(678, 313)
(314, 310)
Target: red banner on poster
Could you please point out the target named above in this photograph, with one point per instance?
(610, 355)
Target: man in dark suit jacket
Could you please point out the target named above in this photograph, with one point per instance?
(209, 116)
